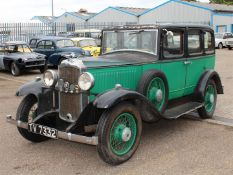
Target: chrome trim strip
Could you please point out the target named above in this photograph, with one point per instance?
(61, 135)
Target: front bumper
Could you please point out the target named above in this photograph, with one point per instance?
(32, 64)
(61, 135)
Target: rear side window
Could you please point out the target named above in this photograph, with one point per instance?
(194, 42)
(208, 42)
(33, 42)
(173, 44)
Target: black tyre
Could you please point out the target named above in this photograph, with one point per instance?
(26, 112)
(154, 86)
(210, 100)
(14, 69)
(229, 47)
(119, 131)
(220, 46)
(43, 69)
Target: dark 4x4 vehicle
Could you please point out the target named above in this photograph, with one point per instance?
(57, 49)
(145, 73)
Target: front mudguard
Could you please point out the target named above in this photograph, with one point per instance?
(113, 97)
(208, 75)
(47, 97)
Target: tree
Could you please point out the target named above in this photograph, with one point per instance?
(229, 2)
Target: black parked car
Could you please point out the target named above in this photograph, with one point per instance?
(58, 49)
(16, 56)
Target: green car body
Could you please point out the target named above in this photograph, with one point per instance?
(144, 73)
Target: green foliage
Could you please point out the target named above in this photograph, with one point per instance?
(229, 2)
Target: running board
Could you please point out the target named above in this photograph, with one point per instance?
(177, 111)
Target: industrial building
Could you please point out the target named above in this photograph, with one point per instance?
(220, 17)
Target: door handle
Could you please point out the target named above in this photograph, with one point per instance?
(187, 62)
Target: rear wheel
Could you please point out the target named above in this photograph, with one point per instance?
(229, 47)
(26, 112)
(220, 45)
(119, 131)
(210, 100)
(14, 69)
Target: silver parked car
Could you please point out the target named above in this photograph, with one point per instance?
(221, 38)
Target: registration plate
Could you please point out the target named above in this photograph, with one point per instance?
(42, 130)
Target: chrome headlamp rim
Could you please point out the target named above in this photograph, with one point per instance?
(54, 78)
(92, 81)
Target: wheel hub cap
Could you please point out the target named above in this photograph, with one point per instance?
(212, 98)
(126, 134)
(159, 95)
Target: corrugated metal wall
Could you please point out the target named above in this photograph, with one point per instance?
(174, 12)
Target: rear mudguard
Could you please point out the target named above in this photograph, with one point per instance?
(115, 96)
(208, 75)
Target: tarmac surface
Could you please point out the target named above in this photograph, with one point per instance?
(183, 146)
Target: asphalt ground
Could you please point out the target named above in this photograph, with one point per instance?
(187, 145)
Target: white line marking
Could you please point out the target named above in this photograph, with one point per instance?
(218, 122)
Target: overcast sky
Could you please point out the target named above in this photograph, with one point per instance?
(24, 10)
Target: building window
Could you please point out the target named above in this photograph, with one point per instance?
(221, 28)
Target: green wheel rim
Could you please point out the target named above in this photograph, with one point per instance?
(156, 86)
(210, 98)
(124, 122)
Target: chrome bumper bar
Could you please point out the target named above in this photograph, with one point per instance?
(61, 135)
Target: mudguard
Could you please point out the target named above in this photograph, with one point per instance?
(115, 96)
(208, 75)
(33, 87)
(47, 97)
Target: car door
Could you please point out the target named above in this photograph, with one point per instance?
(173, 61)
(49, 48)
(40, 47)
(200, 56)
(2, 51)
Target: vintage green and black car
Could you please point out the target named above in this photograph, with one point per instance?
(145, 73)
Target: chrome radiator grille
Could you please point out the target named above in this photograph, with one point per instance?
(70, 104)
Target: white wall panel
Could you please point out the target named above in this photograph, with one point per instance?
(112, 15)
(174, 12)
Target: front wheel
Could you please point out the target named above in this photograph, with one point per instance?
(14, 69)
(119, 131)
(220, 46)
(210, 100)
(229, 47)
(26, 112)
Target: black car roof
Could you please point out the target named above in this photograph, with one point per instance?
(155, 26)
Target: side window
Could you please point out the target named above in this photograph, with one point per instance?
(48, 45)
(33, 42)
(194, 42)
(209, 42)
(40, 45)
(2, 50)
(173, 44)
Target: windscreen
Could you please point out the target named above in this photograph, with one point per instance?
(140, 40)
(87, 42)
(65, 43)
